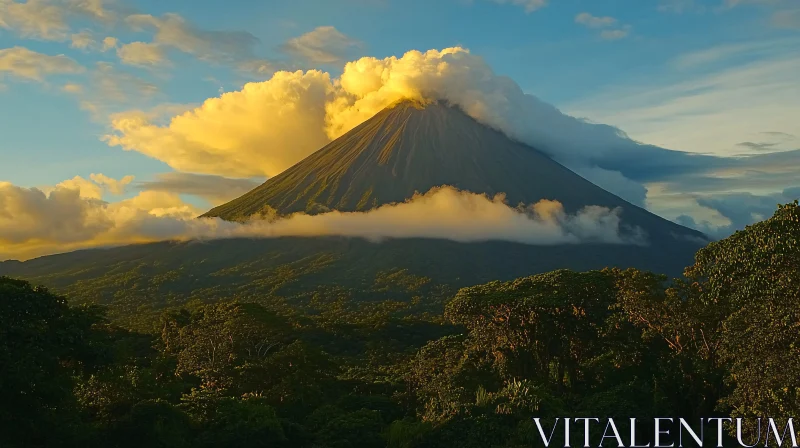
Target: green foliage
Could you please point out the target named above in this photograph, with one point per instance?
(335, 369)
(753, 278)
(43, 344)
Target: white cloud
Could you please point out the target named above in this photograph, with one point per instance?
(33, 223)
(737, 211)
(325, 44)
(141, 53)
(24, 63)
(730, 100)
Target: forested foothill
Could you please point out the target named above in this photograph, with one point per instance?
(466, 368)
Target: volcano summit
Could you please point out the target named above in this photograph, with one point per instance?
(412, 147)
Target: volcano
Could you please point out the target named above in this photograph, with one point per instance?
(411, 147)
(407, 148)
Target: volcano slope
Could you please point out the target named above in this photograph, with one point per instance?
(412, 147)
(404, 149)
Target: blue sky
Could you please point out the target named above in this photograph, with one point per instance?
(706, 76)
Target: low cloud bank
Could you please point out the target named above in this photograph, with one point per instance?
(33, 223)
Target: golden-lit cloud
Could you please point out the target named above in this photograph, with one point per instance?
(325, 44)
(34, 223)
(49, 19)
(141, 53)
(257, 131)
(72, 88)
(114, 186)
(24, 63)
(268, 126)
(94, 187)
(34, 18)
(109, 43)
(83, 40)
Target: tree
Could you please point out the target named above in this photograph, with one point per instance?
(216, 341)
(43, 344)
(753, 278)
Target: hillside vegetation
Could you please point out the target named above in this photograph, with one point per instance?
(441, 369)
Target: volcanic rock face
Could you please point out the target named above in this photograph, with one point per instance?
(413, 147)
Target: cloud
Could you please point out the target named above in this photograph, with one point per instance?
(72, 88)
(114, 186)
(174, 31)
(109, 88)
(109, 43)
(324, 45)
(33, 223)
(591, 21)
(141, 53)
(34, 18)
(257, 131)
(763, 146)
(85, 188)
(24, 63)
(94, 187)
(268, 126)
(215, 190)
(529, 5)
(749, 88)
(607, 25)
(738, 209)
(48, 19)
(83, 40)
